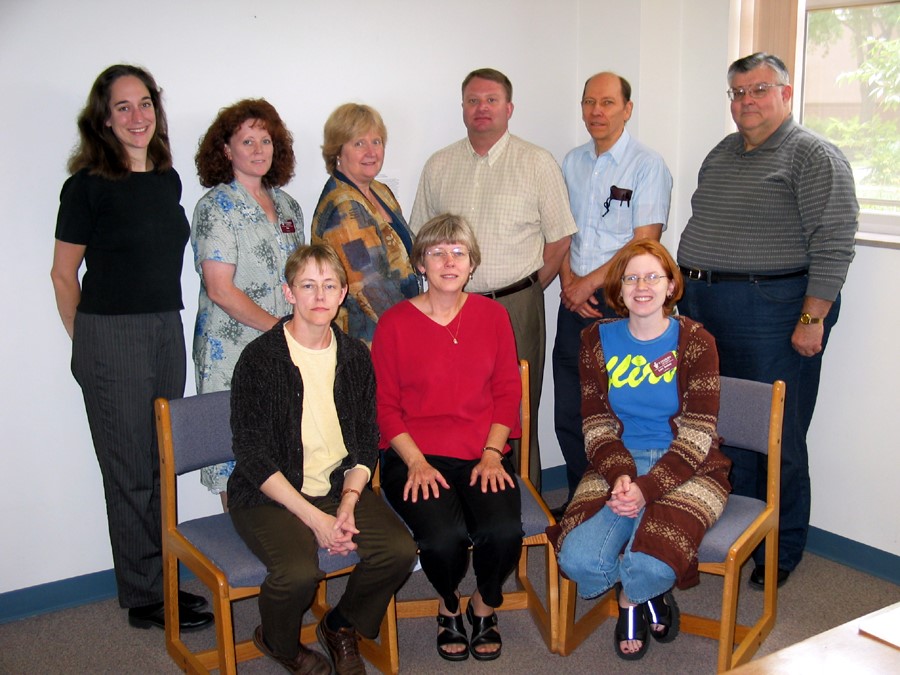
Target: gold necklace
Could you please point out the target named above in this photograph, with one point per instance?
(458, 326)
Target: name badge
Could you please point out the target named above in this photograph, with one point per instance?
(287, 226)
(664, 364)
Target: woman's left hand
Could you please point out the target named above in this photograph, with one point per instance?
(491, 472)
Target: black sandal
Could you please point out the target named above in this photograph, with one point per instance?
(663, 610)
(632, 625)
(484, 632)
(453, 633)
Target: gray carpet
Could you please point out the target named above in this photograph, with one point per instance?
(97, 639)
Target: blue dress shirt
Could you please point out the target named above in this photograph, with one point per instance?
(607, 217)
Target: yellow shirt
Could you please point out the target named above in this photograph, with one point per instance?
(322, 440)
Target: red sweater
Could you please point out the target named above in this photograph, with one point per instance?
(445, 395)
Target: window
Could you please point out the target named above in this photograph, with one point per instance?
(851, 95)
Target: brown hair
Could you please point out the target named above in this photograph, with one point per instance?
(213, 167)
(445, 229)
(613, 290)
(322, 254)
(493, 76)
(98, 149)
(346, 123)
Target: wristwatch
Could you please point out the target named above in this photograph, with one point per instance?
(806, 319)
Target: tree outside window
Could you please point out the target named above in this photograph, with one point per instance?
(851, 94)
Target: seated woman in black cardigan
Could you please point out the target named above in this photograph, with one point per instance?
(306, 441)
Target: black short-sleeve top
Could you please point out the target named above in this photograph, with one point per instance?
(135, 232)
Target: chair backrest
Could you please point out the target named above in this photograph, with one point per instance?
(201, 431)
(743, 405)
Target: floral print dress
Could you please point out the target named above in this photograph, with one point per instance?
(229, 226)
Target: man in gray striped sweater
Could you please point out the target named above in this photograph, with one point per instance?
(765, 254)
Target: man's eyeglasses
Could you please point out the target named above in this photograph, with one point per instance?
(309, 288)
(441, 254)
(651, 279)
(758, 90)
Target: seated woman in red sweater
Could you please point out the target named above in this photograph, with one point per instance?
(448, 399)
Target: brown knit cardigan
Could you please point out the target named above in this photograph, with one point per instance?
(687, 489)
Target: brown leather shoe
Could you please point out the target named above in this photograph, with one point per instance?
(342, 648)
(307, 662)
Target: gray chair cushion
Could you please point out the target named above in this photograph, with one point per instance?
(201, 431)
(216, 537)
(744, 408)
(738, 514)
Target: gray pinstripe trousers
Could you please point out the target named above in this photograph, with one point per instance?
(122, 363)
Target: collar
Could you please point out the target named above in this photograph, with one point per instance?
(617, 151)
(496, 149)
(773, 142)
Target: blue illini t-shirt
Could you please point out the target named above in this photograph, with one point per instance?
(644, 402)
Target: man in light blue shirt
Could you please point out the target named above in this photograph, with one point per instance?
(619, 190)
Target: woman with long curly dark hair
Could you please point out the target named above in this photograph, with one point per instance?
(120, 214)
(243, 232)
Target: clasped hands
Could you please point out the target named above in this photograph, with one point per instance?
(335, 534)
(577, 295)
(626, 498)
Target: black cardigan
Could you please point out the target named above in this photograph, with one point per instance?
(267, 406)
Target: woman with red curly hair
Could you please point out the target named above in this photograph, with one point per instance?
(243, 231)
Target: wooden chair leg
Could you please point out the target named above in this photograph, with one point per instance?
(384, 653)
(571, 632)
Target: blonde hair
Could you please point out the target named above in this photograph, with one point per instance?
(322, 254)
(347, 122)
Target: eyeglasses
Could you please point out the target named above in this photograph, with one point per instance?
(758, 90)
(651, 279)
(309, 288)
(441, 254)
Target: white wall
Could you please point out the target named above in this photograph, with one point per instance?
(855, 434)
(407, 59)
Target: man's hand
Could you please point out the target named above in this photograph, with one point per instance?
(807, 339)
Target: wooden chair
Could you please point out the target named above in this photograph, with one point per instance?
(196, 432)
(535, 519)
(750, 417)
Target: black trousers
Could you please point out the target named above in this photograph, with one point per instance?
(444, 528)
(289, 550)
(122, 364)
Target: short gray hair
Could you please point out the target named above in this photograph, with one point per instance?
(754, 61)
(445, 229)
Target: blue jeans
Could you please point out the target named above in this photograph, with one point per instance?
(753, 324)
(567, 389)
(590, 553)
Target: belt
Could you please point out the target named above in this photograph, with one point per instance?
(713, 277)
(527, 282)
